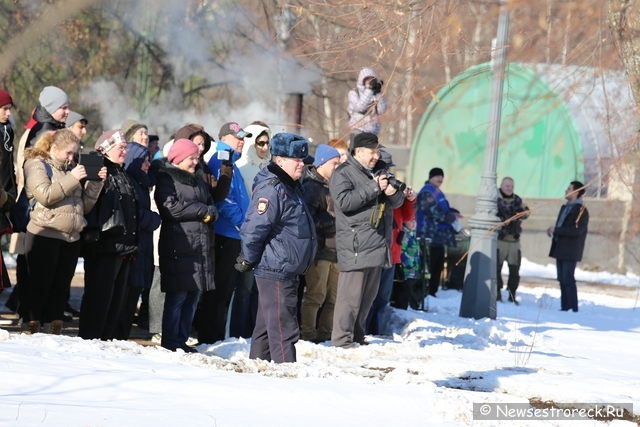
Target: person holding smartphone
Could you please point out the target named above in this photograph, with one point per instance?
(52, 243)
(214, 304)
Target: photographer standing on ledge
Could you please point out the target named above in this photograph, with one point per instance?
(366, 103)
(363, 202)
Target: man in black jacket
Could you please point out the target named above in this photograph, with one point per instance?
(50, 114)
(7, 171)
(322, 276)
(363, 201)
(567, 245)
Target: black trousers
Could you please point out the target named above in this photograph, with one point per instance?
(105, 282)
(404, 294)
(436, 265)
(51, 265)
(23, 288)
(276, 329)
(214, 305)
(127, 312)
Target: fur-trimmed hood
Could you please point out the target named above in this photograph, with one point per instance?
(249, 163)
(249, 155)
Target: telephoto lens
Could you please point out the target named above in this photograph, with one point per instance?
(396, 183)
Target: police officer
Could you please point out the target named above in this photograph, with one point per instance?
(279, 240)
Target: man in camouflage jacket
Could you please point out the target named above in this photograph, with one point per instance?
(510, 205)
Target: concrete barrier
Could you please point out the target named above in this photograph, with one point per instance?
(605, 249)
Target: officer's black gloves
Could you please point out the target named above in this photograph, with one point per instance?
(242, 265)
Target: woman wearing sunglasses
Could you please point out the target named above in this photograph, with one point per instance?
(255, 154)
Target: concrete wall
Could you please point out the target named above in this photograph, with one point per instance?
(604, 249)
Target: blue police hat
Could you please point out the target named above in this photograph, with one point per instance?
(289, 145)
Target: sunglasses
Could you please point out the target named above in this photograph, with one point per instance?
(262, 143)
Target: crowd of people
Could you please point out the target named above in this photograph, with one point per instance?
(247, 235)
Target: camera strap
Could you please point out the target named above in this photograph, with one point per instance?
(376, 214)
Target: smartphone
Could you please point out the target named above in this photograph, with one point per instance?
(92, 163)
(223, 155)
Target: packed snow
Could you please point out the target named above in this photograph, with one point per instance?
(428, 370)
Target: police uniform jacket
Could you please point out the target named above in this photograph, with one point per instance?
(278, 234)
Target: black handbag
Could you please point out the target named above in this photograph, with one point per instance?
(111, 217)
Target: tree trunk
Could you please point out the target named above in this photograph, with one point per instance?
(623, 19)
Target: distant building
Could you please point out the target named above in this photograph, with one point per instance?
(559, 123)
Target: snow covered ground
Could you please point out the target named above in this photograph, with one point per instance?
(530, 269)
(429, 370)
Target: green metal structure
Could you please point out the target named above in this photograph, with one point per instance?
(540, 146)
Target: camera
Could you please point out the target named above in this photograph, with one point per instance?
(393, 181)
(376, 85)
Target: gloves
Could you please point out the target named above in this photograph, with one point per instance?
(229, 162)
(376, 86)
(211, 216)
(242, 265)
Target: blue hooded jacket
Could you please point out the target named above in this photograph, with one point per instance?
(232, 210)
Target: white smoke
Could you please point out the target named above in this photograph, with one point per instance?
(253, 68)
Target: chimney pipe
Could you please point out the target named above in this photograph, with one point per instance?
(293, 108)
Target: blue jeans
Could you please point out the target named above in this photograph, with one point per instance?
(374, 319)
(568, 289)
(179, 309)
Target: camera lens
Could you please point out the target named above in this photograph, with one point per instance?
(396, 183)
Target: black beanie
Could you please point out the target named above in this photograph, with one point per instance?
(436, 172)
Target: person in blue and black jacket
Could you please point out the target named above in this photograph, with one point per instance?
(279, 240)
(214, 305)
(435, 222)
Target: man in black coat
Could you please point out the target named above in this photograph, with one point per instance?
(7, 171)
(567, 245)
(50, 114)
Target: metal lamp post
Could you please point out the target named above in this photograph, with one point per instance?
(479, 292)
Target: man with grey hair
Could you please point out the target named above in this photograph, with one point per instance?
(510, 206)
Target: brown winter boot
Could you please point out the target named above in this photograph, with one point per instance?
(34, 327)
(56, 327)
